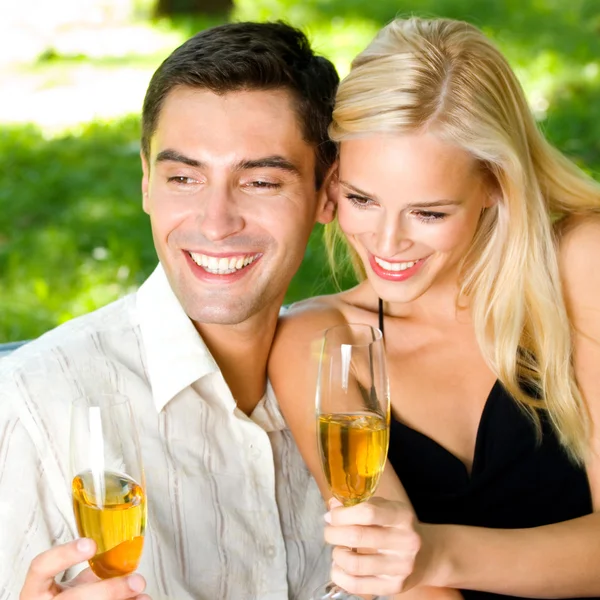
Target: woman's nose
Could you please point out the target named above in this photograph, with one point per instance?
(392, 236)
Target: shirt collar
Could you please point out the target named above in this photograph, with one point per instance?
(267, 414)
(176, 355)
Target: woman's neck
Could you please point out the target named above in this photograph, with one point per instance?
(438, 304)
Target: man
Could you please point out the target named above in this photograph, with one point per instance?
(234, 156)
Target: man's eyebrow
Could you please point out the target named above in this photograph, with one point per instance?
(268, 162)
(174, 156)
(423, 204)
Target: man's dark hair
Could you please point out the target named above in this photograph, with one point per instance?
(252, 56)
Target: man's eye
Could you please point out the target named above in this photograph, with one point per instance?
(267, 185)
(260, 185)
(181, 180)
(359, 201)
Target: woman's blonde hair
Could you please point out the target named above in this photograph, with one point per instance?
(445, 77)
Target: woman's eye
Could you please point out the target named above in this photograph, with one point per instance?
(426, 215)
(359, 201)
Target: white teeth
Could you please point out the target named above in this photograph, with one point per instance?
(384, 264)
(222, 266)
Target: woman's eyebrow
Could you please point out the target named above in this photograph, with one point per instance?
(434, 203)
(421, 204)
(357, 190)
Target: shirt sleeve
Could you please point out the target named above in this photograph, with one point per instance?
(31, 520)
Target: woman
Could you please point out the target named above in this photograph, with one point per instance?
(474, 240)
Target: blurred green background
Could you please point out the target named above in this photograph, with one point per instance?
(73, 74)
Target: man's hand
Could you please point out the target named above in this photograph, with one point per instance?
(40, 583)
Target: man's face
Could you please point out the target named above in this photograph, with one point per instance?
(230, 191)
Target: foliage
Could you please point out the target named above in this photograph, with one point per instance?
(72, 233)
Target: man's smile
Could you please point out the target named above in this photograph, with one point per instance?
(223, 265)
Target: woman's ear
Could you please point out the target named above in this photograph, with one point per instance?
(327, 197)
(493, 191)
(492, 197)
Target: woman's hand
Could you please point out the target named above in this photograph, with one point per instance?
(395, 550)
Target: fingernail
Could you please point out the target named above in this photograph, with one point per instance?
(334, 503)
(136, 583)
(84, 545)
(327, 517)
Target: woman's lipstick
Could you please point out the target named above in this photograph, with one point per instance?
(396, 275)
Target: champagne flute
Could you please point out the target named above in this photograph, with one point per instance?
(109, 495)
(353, 418)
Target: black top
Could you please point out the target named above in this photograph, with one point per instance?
(516, 480)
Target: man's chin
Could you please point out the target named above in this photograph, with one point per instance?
(220, 314)
(227, 306)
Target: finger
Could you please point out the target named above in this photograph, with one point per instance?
(118, 588)
(86, 576)
(402, 541)
(363, 586)
(376, 511)
(46, 566)
(334, 503)
(389, 563)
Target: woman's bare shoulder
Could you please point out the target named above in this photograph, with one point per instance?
(301, 325)
(578, 252)
(578, 245)
(574, 228)
(312, 315)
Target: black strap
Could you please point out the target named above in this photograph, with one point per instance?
(381, 316)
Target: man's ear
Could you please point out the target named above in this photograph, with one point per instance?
(327, 197)
(145, 182)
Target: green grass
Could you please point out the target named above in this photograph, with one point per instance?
(72, 233)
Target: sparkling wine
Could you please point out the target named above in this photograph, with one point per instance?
(353, 453)
(111, 510)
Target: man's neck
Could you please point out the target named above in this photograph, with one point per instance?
(242, 351)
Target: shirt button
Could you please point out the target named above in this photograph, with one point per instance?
(271, 551)
(254, 451)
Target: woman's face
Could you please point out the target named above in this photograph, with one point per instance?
(409, 205)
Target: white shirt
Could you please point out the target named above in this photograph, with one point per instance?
(233, 512)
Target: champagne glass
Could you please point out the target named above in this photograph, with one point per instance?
(109, 495)
(353, 416)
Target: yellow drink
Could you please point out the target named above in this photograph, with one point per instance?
(353, 453)
(116, 525)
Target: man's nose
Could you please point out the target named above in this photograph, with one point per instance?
(220, 215)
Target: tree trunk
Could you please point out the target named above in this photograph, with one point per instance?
(178, 7)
